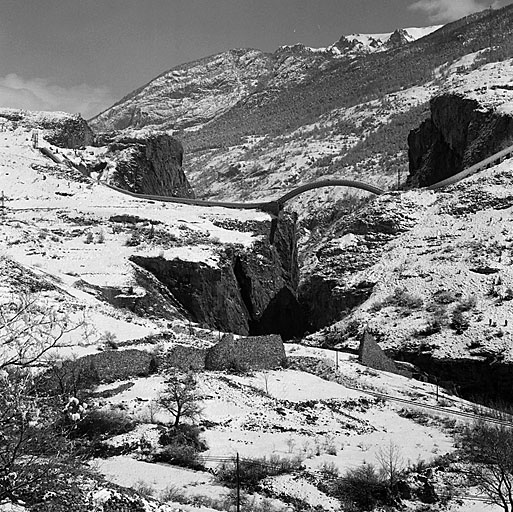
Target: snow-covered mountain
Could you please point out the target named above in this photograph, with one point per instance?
(379, 42)
(191, 94)
(256, 124)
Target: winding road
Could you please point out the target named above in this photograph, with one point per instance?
(275, 206)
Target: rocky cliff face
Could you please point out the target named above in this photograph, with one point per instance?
(458, 134)
(73, 132)
(249, 292)
(149, 165)
(59, 128)
(329, 289)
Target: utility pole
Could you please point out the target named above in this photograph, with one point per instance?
(490, 31)
(238, 483)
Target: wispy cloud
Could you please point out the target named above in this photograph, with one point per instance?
(40, 94)
(442, 11)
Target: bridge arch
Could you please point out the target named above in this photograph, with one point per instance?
(328, 183)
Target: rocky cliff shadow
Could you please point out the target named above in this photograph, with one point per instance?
(251, 291)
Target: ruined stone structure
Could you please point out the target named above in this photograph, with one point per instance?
(370, 354)
(120, 364)
(259, 352)
(185, 358)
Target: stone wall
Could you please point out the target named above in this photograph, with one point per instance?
(120, 364)
(185, 358)
(258, 352)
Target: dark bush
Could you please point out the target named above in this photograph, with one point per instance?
(444, 297)
(185, 434)
(252, 471)
(102, 423)
(459, 322)
(179, 455)
(362, 488)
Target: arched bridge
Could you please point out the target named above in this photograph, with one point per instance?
(272, 207)
(276, 205)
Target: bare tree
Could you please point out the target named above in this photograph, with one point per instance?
(489, 450)
(180, 398)
(28, 439)
(391, 463)
(29, 330)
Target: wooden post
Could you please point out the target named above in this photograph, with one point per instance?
(238, 483)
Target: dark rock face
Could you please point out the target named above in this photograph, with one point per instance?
(72, 132)
(397, 39)
(250, 291)
(482, 379)
(150, 165)
(209, 294)
(458, 134)
(327, 300)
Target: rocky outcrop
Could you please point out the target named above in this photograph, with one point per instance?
(73, 132)
(399, 37)
(328, 290)
(58, 128)
(149, 165)
(458, 134)
(149, 298)
(250, 291)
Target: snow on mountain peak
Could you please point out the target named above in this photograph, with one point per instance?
(380, 42)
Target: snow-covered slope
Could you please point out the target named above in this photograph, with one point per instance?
(64, 237)
(77, 236)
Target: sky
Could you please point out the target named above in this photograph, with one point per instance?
(84, 55)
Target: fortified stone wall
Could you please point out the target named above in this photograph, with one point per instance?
(258, 352)
(120, 364)
(185, 358)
